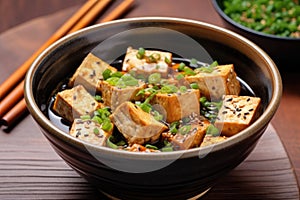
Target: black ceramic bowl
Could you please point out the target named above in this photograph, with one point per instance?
(165, 175)
(283, 50)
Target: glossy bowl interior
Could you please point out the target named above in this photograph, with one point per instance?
(283, 50)
(166, 175)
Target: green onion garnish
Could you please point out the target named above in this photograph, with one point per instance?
(141, 52)
(149, 146)
(212, 130)
(194, 86)
(106, 74)
(154, 78)
(181, 66)
(110, 143)
(185, 129)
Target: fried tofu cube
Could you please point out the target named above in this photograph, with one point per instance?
(211, 140)
(75, 102)
(188, 136)
(113, 96)
(89, 131)
(178, 105)
(90, 72)
(236, 113)
(150, 62)
(221, 81)
(136, 125)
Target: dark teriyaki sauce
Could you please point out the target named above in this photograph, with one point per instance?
(64, 125)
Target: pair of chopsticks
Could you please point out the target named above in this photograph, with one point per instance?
(12, 105)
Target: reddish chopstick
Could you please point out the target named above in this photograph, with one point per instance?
(10, 100)
(19, 74)
(12, 116)
(118, 11)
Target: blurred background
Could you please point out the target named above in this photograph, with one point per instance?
(20, 9)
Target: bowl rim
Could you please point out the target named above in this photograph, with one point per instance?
(216, 4)
(258, 125)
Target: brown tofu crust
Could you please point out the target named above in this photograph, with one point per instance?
(89, 131)
(190, 140)
(136, 125)
(113, 96)
(222, 81)
(90, 72)
(236, 113)
(75, 102)
(211, 140)
(178, 105)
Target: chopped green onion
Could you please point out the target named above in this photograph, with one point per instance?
(96, 131)
(212, 130)
(107, 125)
(207, 69)
(154, 78)
(168, 147)
(182, 89)
(110, 143)
(188, 71)
(121, 143)
(181, 66)
(153, 58)
(173, 127)
(97, 119)
(185, 129)
(106, 74)
(203, 100)
(214, 64)
(194, 86)
(169, 89)
(179, 76)
(194, 62)
(117, 74)
(113, 80)
(129, 80)
(149, 146)
(157, 116)
(145, 107)
(141, 92)
(141, 53)
(156, 56)
(98, 98)
(167, 60)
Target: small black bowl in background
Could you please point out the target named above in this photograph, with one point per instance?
(284, 51)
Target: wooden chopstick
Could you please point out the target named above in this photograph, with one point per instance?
(19, 74)
(90, 16)
(118, 11)
(10, 100)
(91, 6)
(12, 116)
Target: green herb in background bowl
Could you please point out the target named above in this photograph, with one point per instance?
(273, 25)
(276, 17)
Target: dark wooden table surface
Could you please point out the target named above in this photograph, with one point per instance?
(29, 169)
